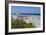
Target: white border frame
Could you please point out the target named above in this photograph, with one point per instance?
(25, 29)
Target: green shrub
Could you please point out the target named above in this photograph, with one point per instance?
(21, 24)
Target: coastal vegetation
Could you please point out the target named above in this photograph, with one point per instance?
(21, 24)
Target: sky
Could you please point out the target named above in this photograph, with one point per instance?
(23, 9)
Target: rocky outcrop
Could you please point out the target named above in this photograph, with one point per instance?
(27, 19)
